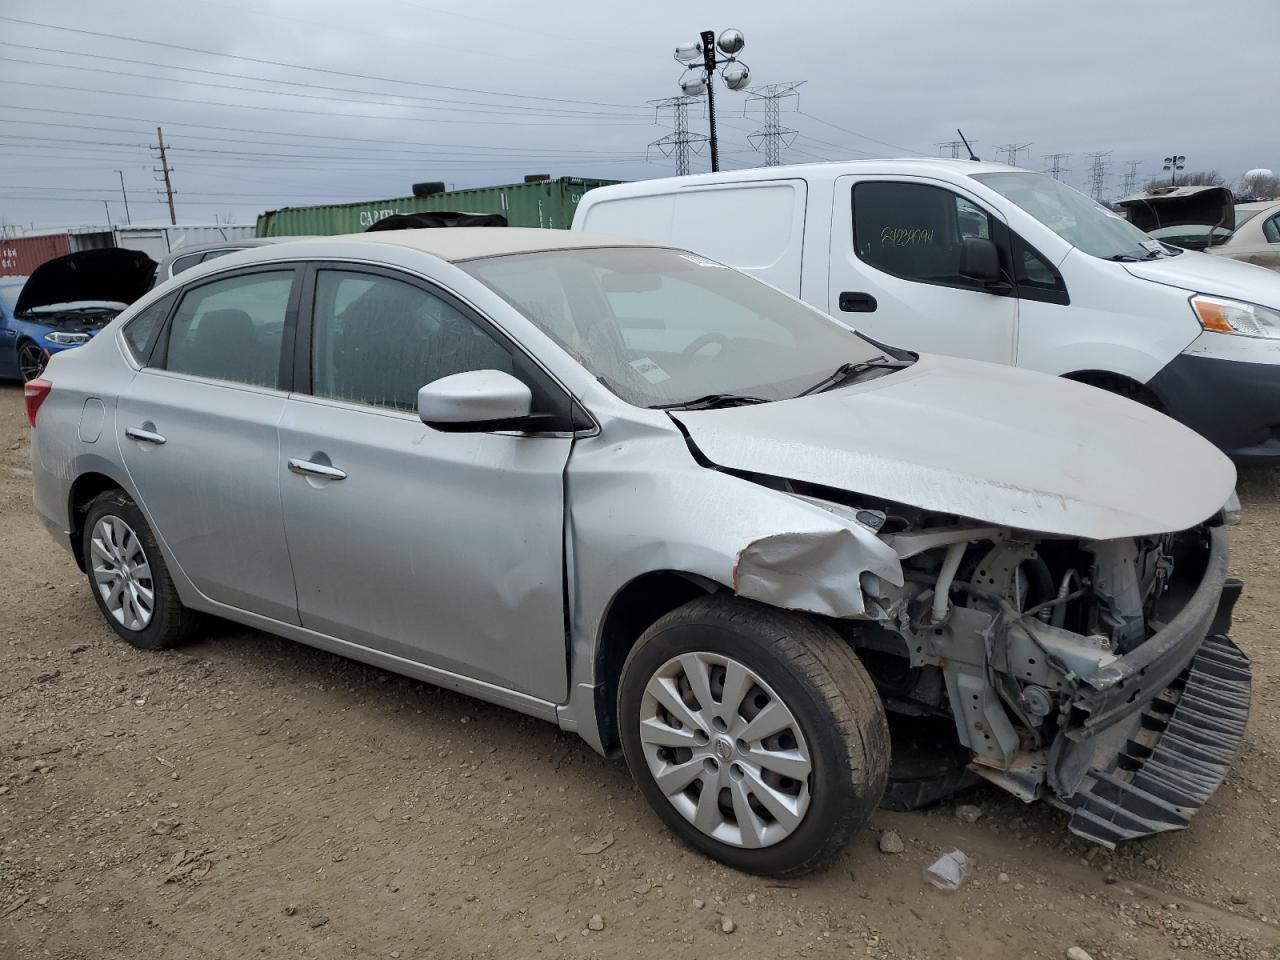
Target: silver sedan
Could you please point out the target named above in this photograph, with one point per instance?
(643, 496)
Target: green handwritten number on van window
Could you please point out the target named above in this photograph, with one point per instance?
(906, 237)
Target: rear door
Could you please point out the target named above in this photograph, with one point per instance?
(445, 549)
(895, 257)
(197, 431)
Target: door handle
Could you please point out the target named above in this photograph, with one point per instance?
(307, 468)
(144, 436)
(853, 302)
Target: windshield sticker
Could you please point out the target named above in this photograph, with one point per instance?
(650, 370)
(701, 261)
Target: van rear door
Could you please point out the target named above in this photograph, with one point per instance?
(895, 257)
(757, 227)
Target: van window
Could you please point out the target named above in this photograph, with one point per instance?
(1036, 277)
(915, 231)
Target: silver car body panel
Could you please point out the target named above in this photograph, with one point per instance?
(913, 438)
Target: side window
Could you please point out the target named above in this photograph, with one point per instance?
(377, 340)
(1036, 277)
(232, 329)
(914, 231)
(140, 332)
(184, 263)
(1271, 229)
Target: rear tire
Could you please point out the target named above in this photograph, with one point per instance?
(128, 577)
(778, 805)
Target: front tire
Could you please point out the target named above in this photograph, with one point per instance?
(754, 733)
(128, 577)
(31, 360)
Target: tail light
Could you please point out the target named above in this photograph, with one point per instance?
(34, 392)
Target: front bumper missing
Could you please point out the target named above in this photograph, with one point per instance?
(1175, 753)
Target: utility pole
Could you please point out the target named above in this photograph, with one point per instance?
(1056, 169)
(107, 207)
(773, 135)
(1098, 172)
(1131, 177)
(127, 218)
(679, 143)
(1011, 151)
(165, 170)
(952, 145)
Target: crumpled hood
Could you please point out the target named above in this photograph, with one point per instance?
(111, 274)
(1180, 206)
(1217, 276)
(993, 443)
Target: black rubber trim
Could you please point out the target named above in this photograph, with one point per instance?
(1177, 755)
(1233, 404)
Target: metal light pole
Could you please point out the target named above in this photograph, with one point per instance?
(694, 83)
(127, 218)
(1173, 164)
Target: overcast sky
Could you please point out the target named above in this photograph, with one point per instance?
(369, 97)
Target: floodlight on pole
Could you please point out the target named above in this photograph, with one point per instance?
(700, 61)
(1173, 164)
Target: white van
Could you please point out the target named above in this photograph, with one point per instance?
(991, 262)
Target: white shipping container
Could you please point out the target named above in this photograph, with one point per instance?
(161, 240)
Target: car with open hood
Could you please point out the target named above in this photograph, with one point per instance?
(991, 262)
(1208, 219)
(634, 492)
(64, 303)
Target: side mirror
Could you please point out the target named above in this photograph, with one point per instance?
(979, 260)
(476, 401)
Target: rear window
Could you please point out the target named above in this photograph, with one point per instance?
(140, 332)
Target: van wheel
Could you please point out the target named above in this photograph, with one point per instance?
(128, 576)
(754, 733)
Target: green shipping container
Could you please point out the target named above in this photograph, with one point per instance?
(549, 204)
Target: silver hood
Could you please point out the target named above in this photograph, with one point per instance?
(993, 443)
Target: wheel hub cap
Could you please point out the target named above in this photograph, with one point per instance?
(725, 750)
(122, 573)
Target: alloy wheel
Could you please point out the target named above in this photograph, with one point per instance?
(31, 361)
(122, 573)
(725, 750)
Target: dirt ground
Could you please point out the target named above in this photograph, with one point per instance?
(245, 796)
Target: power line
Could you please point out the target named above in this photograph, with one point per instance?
(855, 133)
(1011, 151)
(679, 142)
(1056, 169)
(317, 113)
(468, 106)
(294, 66)
(773, 136)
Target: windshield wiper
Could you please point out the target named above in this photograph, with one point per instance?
(1125, 258)
(847, 371)
(710, 402)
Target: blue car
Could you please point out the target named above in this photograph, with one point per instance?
(64, 303)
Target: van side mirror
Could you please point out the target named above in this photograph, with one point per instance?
(476, 401)
(979, 260)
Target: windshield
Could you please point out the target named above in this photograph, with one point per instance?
(9, 297)
(1071, 215)
(660, 327)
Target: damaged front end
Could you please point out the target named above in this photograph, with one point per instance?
(1096, 674)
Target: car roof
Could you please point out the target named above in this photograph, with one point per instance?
(456, 244)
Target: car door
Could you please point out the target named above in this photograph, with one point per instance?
(445, 549)
(197, 432)
(8, 336)
(895, 257)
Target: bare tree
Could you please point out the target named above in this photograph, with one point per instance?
(1195, 178)
(1261, 187)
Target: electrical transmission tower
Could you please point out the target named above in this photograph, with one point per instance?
(773, 136)
(679, 143)
(950, 145)
(1056, 169)
(1011, 151)
(1131, 177)
(1098, 172)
